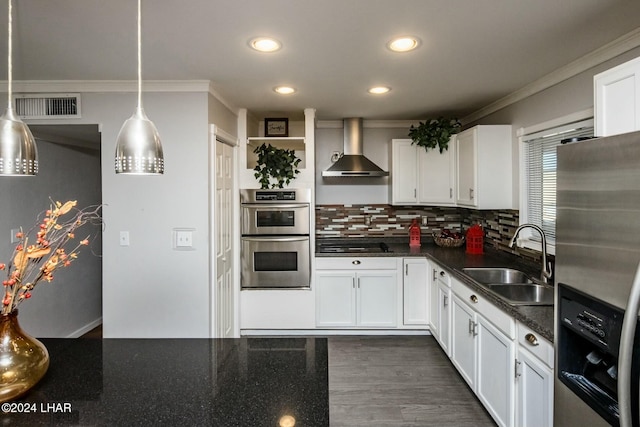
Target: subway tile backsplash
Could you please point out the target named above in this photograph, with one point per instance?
(393, 221)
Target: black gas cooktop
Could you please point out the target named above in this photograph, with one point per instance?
(352, 247)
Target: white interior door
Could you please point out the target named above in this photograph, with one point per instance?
(223, 303)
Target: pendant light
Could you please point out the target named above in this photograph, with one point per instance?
(18, 151)
(138, 147)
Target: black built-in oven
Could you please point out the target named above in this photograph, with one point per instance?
(275, 243)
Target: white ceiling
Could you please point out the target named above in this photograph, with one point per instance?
(473, 52)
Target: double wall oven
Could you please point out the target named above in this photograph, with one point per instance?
(275, 244)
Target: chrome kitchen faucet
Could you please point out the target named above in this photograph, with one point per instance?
(545, 275)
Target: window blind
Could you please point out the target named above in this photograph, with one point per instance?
(540, 163)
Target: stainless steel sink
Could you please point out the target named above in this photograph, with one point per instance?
(497, 275)
(523, 293)
(514, 286)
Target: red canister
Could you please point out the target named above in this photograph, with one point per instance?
(475, 239)
(414, 234)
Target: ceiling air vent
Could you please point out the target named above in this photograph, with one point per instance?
(47, 106)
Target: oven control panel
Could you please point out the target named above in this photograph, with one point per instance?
(293, 195)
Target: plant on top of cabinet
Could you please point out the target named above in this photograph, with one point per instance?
(275, 164)
(434, 133)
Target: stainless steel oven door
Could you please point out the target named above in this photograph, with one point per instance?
(261, 219)
(275, 262)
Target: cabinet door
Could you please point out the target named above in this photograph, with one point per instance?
(404, 172)
(434, 304)
(444, 317)
(376, 298)
(466, 167)
(535, 391)
(415, 291)
(335, 298)
(495, 372)
(617, 99)
(463, 342)
(436, 175)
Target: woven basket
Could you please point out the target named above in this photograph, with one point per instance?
(448, 242)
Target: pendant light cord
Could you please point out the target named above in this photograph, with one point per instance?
(139, 55)
(10, 65)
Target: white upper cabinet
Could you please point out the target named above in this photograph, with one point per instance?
(484, 167)
(617, 99)
(421, 177)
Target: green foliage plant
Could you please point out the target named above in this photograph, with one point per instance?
(434, 133)
(276, 166)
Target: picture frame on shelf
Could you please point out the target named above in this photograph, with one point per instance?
(276, 127)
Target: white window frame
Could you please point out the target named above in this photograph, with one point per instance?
(529, 238)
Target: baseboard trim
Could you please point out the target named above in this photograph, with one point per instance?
(80, 332)
(331, 332)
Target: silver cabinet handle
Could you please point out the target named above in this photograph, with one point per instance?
(406, 269)
(435, 272)
(532, 339)
(415, 192)
(355, 262)
(445, 300)
(471, 193)
(470, 326)
(474, 299)
(353, 282)
(451, 193)
(358, 283)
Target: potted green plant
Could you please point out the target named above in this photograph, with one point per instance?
(276, 166)
(434, 133)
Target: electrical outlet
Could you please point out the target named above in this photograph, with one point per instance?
(425, 220)
(124, 238)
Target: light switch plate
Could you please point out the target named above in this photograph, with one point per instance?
(14, 231)
(183, 239)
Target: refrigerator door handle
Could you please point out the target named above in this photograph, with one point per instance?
(625, 356)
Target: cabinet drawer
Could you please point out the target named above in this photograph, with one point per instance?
(535, 344)
(481, 305)
(355, 263)
(440, 275)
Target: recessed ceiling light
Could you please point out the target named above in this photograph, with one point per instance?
(403, 44)
(265, 44)
(284, 90)
(379, 90)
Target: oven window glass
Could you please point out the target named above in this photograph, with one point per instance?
(275, 218)
(275, 261)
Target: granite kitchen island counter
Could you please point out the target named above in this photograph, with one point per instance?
(178, 382)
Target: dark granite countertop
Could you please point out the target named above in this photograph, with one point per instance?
(178, 382)
(538, 318)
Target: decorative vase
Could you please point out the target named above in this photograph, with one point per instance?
(23, 359)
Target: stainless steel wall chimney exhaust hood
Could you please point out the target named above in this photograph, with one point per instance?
(353, 163)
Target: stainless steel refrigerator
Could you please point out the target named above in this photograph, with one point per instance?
(597, 259)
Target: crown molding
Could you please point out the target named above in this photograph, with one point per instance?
(381, 124)
(623, 44)
(61, 86)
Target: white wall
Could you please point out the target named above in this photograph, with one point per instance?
(72, 302)
(376, 147)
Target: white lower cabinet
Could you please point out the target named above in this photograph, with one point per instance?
(495, 380)
(351, 293)
(415, 291)
(440, 306)
(483, 351)
(534, 379)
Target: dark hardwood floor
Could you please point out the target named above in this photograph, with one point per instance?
(398, 381)
(94, 333)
